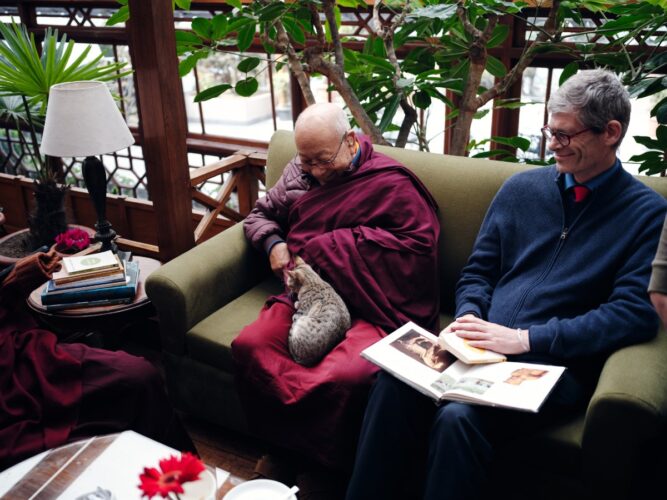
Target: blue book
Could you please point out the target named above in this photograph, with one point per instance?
(87, 303)
(122, 291)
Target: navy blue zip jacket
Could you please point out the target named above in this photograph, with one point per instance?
(580, 288)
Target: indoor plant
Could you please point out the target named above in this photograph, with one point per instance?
(25, 80)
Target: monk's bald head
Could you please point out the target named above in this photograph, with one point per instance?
(323, 120)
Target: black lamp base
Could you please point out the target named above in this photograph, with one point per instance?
(95, 176)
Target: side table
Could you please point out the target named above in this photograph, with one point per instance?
(107, 320)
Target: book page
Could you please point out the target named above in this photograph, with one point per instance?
(523, 386)
(412, 355)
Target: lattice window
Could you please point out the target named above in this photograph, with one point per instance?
(90, 17)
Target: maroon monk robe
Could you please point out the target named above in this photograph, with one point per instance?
(373, 235)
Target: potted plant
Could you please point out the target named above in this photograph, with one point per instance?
(25, 80)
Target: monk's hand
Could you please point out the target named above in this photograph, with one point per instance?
(279, 258)
(487, 335)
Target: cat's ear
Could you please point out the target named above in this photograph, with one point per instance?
(298, 261)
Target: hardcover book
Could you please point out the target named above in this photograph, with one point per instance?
(91, 262)
(87, 303)
(124, 290)
(460, 348)
(102, 282)
(63, 277)
(414, 356)
(117, 278)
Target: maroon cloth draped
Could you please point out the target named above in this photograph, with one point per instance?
(53, 393)
(373, 235)
(40, 384)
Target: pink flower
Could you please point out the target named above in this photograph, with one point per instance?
(174, 472)
(72, 240)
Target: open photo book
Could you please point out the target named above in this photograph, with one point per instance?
(414, 356)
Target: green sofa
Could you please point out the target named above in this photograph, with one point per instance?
(205, 296)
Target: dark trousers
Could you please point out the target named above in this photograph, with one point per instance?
(411, 448)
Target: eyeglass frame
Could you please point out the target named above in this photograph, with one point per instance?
(323, 163)
(561, 137)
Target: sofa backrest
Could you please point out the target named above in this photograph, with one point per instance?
(462, 187)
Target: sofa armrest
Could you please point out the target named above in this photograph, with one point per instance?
(626, 414)
(199, 282)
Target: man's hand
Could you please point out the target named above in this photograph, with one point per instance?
(659, 301)
(492, 336)
(279, 258)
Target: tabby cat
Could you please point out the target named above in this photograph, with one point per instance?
(321, 318)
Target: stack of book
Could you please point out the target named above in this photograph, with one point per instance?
(98, 279)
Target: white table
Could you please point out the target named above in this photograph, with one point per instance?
(112, 463)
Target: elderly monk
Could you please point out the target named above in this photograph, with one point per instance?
(53, 393)
(368, 226)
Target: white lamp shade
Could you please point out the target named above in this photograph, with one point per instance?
(82, 119)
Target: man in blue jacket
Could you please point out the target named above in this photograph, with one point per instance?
(558, 275)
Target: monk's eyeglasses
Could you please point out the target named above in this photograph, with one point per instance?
(561, 137)
(323, 163)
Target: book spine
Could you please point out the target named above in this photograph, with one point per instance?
(87, 295)
(87, 303)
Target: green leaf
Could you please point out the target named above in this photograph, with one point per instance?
(660, 111)
(234, 3)
(219, 26)
(271, 11)
(661, 134)
(247, 87)
(212, 92)
(183, 4)
(120, 16)
(495, 67)
(186, 37)
(421, 99)
(653, 156)
(246, 35)
(187, 64)
(433, 12)
(499, 35)
(481, 114)
(202, 27)
(516, 142)
(248, 64)
(647, 141)
(389, 112)
(568, 71)
(294, 30)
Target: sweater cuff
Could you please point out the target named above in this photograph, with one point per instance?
(658, 281)
(468, 308)
(270, 242)
(539, 339)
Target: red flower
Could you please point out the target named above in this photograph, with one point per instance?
(175, 472)
(74, 239)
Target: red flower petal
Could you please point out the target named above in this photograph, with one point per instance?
(174, 472)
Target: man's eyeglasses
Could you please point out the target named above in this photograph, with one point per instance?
(562, 138)
(323, 163)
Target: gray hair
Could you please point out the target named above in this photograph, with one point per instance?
(597, 96)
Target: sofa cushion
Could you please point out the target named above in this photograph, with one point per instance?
(210, 340)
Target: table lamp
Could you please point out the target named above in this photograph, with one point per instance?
(82, 119)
